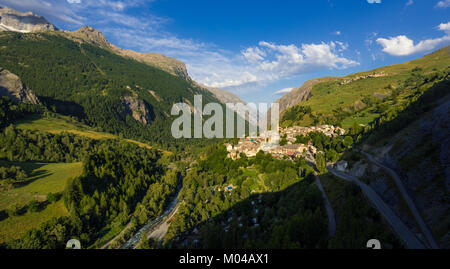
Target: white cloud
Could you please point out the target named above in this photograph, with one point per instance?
(254, 54)
(443, 4)
(402, 46)
(206, 63)
(445, 27)
(270, 62)
(337, 33)
(410, 2)
(374, 1)
(84, 12)
(283, 91)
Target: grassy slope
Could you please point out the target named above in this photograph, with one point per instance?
(66, 124)
(43, 179)
(330, 95)
(60, 124)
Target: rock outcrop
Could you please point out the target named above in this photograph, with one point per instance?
(87, 34)
(297, 95)
(24, 22)
(138, 109)
(168, 64)
(420, 155)
(12, 86)
(374, 75)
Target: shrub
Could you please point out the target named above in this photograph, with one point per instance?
(53, 197)
(34, 206)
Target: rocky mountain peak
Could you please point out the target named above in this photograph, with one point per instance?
(24, 22)
(92, 36)
(168, 64)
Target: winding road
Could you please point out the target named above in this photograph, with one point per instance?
(397, 225)
(408, 200)
(330, 212)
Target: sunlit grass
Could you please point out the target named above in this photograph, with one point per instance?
(43, 179)
(61, 124)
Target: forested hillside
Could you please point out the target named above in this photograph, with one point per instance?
(97, 86)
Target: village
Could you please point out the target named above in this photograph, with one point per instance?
(269, 142)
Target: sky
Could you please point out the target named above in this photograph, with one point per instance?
(260, 50)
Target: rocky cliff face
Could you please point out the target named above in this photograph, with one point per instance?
(12, 20)
(299, 94)
(92, 36)
(168, 64)
(12, 86)
(420, 154)
(296, 96)
(138, 109)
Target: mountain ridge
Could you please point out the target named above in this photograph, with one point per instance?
(25, 22)
(30, 22)
(304, 92)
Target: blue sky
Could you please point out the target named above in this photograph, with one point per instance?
(257, 48)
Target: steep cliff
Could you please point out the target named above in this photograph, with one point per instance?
(12, 86)
(16, 21)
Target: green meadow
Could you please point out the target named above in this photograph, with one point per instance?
(59, 124)
(43, 179)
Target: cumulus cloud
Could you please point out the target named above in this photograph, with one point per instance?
(443, 4)
(445, 27)
(374, 1)
(207, 63)
(403, 46)
(270, 62)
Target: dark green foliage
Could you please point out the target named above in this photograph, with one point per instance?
(320, 163)
(348, 141)
(10, 111)
(296, 113)
(25, 145)
(89, 83)
(238, 219)
(53, 197)
(14, 173)
(357, 221)
(17, 210)
(118, 178)
(34, 206)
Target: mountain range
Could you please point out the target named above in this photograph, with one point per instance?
(16, 21)
(88, 122)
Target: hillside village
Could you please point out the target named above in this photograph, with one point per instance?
(269, 142)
